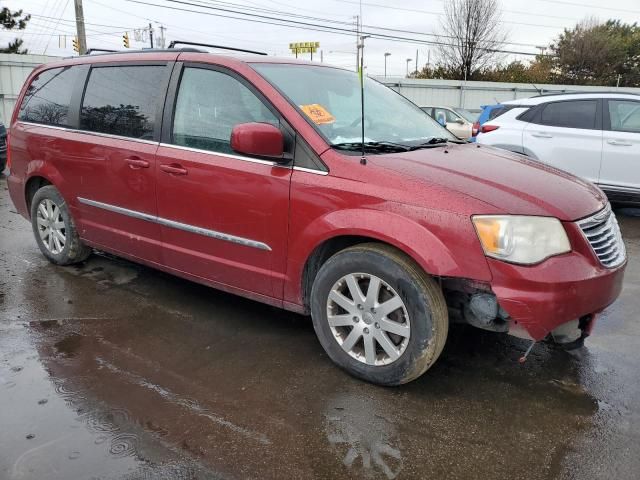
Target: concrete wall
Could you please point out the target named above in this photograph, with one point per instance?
(472, 95)
(14, 70)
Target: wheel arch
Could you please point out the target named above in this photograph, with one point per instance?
(340, 231)
(33, 184)
(39, 174)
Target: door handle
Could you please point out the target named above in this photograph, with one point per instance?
(135, 163)
(174, 169)
(541, 135)
(620, 143)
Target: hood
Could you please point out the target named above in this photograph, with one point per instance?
(509, 182)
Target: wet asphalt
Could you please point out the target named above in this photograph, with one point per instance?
(112, 370)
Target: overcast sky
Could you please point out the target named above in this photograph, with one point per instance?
(528, 22)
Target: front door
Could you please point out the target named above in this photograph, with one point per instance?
(224, 216)
(620, 170)
(567, 135)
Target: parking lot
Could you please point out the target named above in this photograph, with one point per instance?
(113, 370)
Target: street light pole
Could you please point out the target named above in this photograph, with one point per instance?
(387, 54)
(408, 61)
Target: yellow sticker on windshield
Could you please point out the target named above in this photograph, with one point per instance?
(318, 114)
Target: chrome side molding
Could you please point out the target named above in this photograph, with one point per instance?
(247, 242)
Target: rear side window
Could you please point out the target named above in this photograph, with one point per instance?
(48, 97)
(572, 114)
(624, 115)
(496, 112)
(123, 100)
(209, 105)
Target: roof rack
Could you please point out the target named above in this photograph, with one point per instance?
(221, 47)
(146, 50)
(596, 92)
(91, 50)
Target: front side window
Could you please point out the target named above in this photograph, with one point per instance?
(123, 100)
(330, 99)
(624, 115)
(48, 97)
(209, 104)
(572, 114)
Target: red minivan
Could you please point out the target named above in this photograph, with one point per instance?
(246, 173)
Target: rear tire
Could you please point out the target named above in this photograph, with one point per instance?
(354, 306)
(54, 228)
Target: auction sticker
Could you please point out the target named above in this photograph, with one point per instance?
(318, 114)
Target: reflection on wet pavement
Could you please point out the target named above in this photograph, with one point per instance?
(111, 370)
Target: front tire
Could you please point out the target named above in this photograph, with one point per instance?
(54, 228)
(378, 315)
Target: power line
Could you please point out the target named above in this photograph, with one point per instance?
(280, 12)
(264, 19)
(55, 27)
(185, 29)
(582, 5)
(439, 14)
(87, 23)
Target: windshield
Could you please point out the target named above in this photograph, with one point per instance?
(466, 114)
(330, 99)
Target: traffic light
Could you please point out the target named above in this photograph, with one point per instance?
(125, 39)
(76, 45)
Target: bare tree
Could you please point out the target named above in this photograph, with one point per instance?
(471, 36)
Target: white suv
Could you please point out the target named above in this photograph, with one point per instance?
(592, 135)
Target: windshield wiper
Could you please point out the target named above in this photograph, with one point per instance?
(372, 146)
(432, 142)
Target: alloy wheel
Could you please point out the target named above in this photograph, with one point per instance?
(51, 226)
(368, 319)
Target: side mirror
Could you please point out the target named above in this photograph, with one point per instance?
(460, 121)
(258, 139)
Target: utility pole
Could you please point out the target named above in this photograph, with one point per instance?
(387, 54)
(416, 60)
(408, 60)
(82, 36)
(151, 34)
(357, 43)
(161, 42)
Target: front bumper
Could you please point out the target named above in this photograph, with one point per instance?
(542, 297)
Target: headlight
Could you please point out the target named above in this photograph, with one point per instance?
(521, 239)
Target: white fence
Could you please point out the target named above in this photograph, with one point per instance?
(472, 95)
(14, 70)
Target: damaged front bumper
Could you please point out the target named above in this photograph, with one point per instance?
(558, 299)
(561, 296)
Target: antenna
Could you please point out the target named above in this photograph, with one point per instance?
(363, 159)
(537, 89)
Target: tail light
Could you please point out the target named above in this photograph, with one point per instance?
(488, 128)
(475, 129)
(8, 150)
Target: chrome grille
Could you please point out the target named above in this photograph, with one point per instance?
(603, 233)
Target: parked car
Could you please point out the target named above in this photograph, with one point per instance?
(593, 135)
(488, 112)
(3, 147)
(457, 120)
(247, 174)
